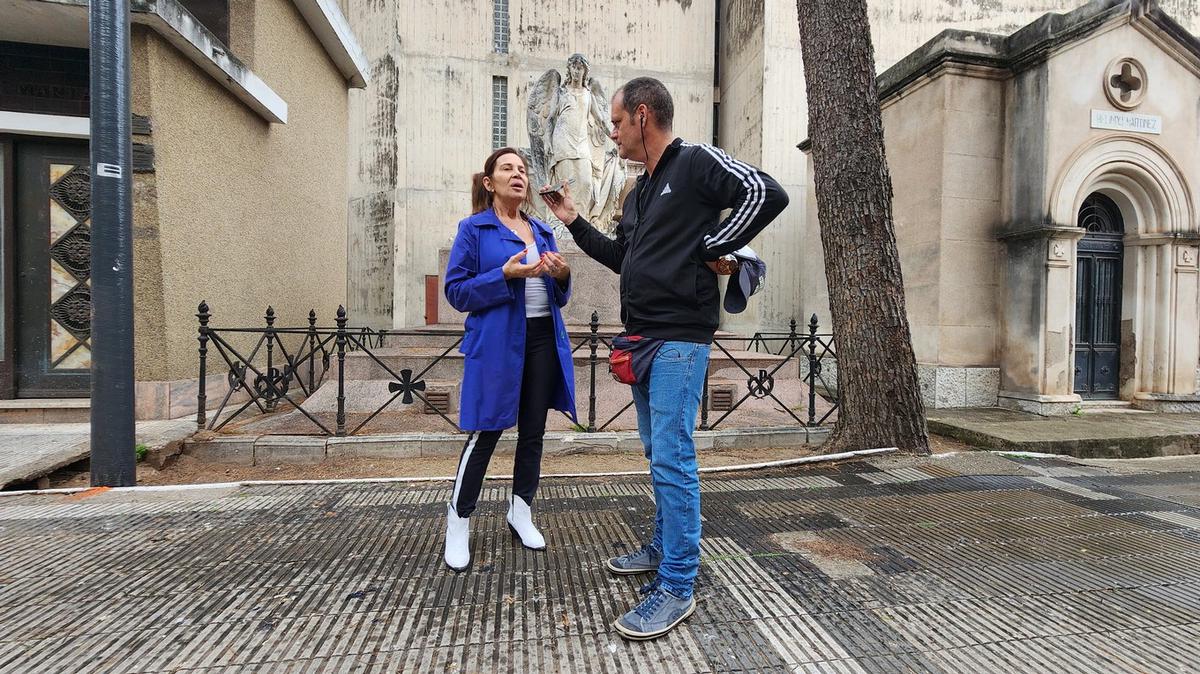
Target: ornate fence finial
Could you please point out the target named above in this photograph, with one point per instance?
(203, 315)
(814, 370)
(593, 344)
(268, 380)
(341, 380)
(312, 350)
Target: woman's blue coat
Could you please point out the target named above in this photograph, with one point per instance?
(494, 343)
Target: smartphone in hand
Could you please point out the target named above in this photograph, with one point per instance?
(554, 189)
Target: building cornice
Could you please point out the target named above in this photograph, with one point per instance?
(327, 22)
(175, 24)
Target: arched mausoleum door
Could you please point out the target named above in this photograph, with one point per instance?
(1098, 272)
(1147, 350)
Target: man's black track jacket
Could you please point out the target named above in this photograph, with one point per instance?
(670, 226)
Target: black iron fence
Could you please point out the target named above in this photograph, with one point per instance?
(269, 369)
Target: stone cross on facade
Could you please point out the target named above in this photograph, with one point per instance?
(1126, 82)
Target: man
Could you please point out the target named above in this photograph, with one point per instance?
(669, 249)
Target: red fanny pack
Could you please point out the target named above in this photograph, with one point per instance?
(631, 357)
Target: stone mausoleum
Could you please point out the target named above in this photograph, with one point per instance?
(1046, 211)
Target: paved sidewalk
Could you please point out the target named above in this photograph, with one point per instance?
(29, 451)
(970, 563)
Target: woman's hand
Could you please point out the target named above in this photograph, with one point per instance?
(561, 204)
(514, 268)
(556, 266)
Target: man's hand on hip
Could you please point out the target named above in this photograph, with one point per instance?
(723, 266)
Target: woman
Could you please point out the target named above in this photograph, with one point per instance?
(506, 273)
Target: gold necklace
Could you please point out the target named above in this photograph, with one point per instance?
(514, 230)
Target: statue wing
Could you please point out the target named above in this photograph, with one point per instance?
(602, 126)
(543, 102)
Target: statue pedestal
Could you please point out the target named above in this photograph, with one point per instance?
(594, 287)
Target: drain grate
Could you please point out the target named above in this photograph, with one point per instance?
(721, 397)
(438, 401)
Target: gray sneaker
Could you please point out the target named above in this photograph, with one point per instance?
(641, 561)
(658, 614)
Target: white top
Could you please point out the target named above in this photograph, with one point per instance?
(537, 300)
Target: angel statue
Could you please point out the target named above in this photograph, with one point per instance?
(569, 131)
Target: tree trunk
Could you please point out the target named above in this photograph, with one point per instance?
(878, 390)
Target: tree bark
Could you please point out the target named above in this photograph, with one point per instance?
(878, 390)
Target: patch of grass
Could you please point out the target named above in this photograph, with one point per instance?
(141, 450)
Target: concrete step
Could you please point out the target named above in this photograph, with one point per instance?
(365, 396)
(45, 411)
(1110, 407)
(612, 401)
(275, 449)
(1100, 435)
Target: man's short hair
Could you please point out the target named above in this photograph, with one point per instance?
(651, 93)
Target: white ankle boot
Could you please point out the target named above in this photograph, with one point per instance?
(458, 540)
(520, 520)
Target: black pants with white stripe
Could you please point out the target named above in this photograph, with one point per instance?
(539, 383)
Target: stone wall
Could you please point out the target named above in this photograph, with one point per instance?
(238, 212)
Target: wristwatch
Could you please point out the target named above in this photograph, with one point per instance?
(727, 265)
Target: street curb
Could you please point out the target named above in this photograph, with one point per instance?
(1150, 446)
(290, 449)
(220, 486)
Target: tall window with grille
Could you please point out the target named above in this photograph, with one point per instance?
(500, 26)
(499, 112)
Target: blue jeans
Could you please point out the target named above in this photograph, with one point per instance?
(666, 407)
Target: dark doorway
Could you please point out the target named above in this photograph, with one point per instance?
(1098, 299)
(53, 301)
